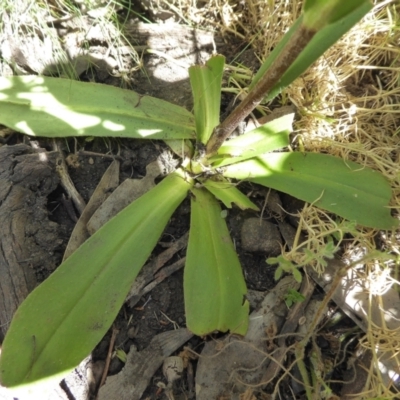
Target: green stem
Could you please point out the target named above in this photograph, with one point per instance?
(299, 351)
(290, 52)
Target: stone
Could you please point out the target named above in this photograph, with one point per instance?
(261, 236)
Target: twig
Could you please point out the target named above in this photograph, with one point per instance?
(94, 154)
(300, 346)
(148, 272)
(289, 327)
(163, 274)
(108, 359)
(66, 181)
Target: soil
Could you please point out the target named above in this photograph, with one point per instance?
(40, 217)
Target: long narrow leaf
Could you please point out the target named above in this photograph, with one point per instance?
(321, 12)
(344, 188)
(321, 42)
(269, 137)
(213, 281)
(206, 86)
(64, 318)
(226, 192)
(182, 148)
(55, 107)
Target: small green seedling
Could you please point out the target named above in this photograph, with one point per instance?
(285, 265)
(292, 297)
(121, 355)
(65, 317)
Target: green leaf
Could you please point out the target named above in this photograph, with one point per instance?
(64, 318)
(278, 273)
(213, 281)
(121, 355)
(206, 86)
(297, 275)
(272, 136)
(321, 42)
(293, 296)
(182, 148)
(318, 13)
(226, 192)
(345, 188)
(55, 107)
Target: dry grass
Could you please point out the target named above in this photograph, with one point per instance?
(30, 35)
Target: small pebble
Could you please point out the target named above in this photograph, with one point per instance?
(260, 236)
(132, 332)
(172, 368)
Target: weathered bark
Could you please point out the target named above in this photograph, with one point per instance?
(27, 236)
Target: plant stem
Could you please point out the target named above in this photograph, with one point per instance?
(312, 329)
(290, 52)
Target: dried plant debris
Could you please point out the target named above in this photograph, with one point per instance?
(374, 307)
(108, 183)
(124, 194)
(64, 38)
(230, 365)
(140, 367)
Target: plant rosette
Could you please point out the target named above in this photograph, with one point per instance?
(41, 342)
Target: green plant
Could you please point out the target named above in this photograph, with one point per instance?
(293, 296)
(48, 338)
